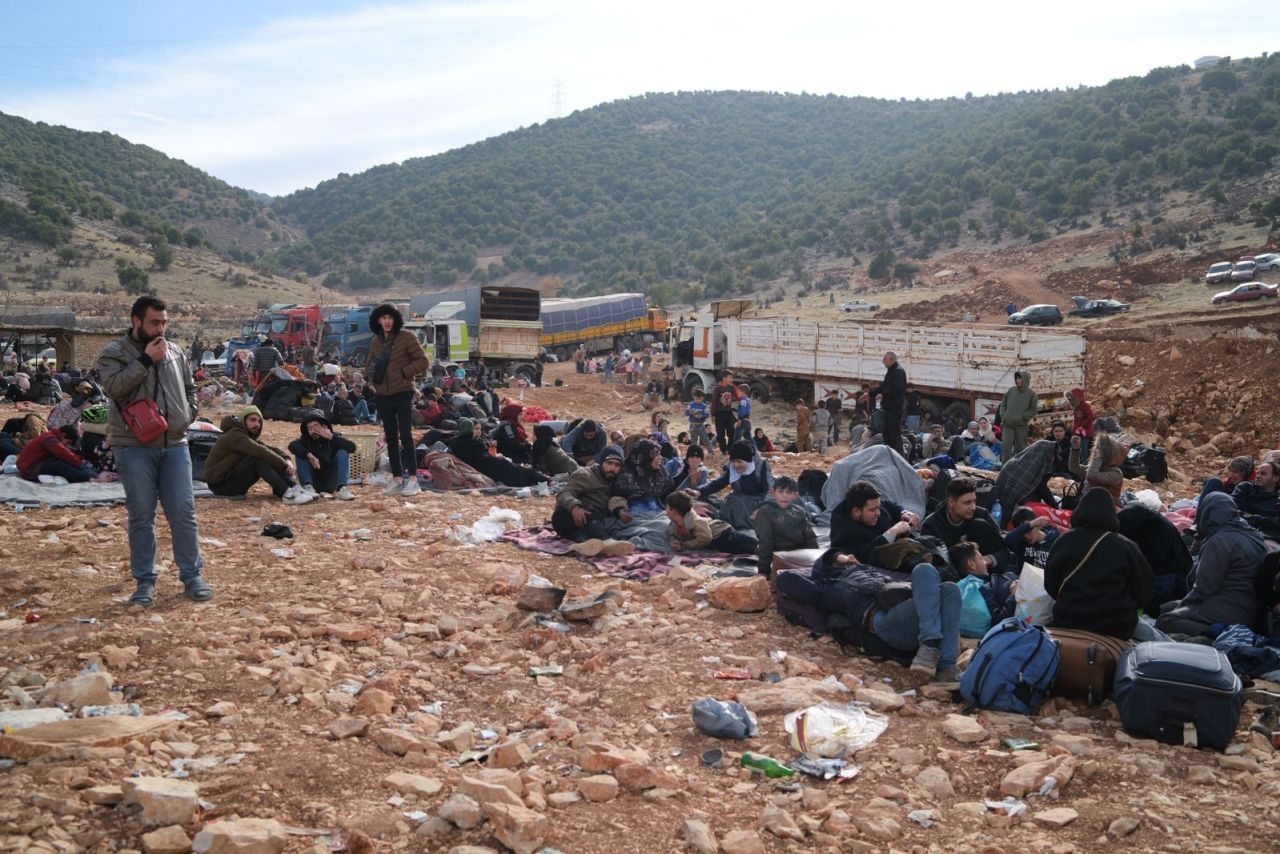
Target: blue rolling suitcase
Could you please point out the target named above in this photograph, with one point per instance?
(1178, 693)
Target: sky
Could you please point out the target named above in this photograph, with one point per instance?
(277, 95)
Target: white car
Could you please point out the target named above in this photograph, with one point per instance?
(859, 305)
(1270, 261)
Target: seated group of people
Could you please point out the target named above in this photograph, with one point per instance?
(58, 446)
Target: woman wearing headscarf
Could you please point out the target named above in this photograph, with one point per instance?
(643, 481)
(748, 477)
(511, 438)
(1104, 465)
(1097, 576)
(1222, 581)
(548, 457)
(470, 447)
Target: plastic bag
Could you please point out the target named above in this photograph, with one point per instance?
(975, 616)
(1034, 602)
(724, 719)
(831, 730)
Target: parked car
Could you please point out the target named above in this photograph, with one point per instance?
(1246, 292)
(1244, 270)
(1270, 261)
(1037, 315)
(47, 356)
(1096, 307)
(1220, 272)
(859, 305)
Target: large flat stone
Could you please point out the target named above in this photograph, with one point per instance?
(110, 731)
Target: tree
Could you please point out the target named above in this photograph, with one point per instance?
(881, 266)
(162, 253)
(133, 278)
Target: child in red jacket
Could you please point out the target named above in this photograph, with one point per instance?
(49, 454)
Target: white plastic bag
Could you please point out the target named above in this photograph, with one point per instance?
(1034, 602)
(831, 730)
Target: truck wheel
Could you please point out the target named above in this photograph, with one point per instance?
(525, 371)
(692, 383)
(564, 354)
(759, 391)
(359, 357)
(930, 412)
(958, 411)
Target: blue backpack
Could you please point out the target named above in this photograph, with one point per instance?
(1012, 669)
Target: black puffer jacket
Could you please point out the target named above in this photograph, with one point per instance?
(1101, 594)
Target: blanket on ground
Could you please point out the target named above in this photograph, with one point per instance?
(892, 475)
(640, 566)
(17, 491)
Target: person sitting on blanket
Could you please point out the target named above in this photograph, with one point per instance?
(1025, 476)
(50, 454)
(548, 457)
(239, 459)
(747, 475)
(781, 524)
(1222, 582)
(1258, 497)
(86, 394)
(470, 446)
(584, 442)
(643, 482)
(926, 622)
(1030, 540)
(691, 530)
(584, 507)
(1066, 452)
(511, 438)
(18, 431)
(762, 442)
(693, 473)
(322, 458)
(863, 521)
(1097, 577)
(960, 517)
(998, 588)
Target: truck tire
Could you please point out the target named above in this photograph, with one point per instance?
(930, 412)
(759, 391)
(692, 383)
(527, 372)
(564, 354)
(958, 411)
(359, 357)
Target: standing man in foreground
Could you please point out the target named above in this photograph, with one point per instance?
(142, 368)
(893, 394)
(395, 359)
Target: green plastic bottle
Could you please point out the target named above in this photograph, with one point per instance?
(769, 767)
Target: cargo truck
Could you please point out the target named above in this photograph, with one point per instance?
(602, 324)
(499, 324)
(961, 371)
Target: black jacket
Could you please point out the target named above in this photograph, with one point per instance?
(324, 450)
(893, 390)
(858, 539)
(1104, 593)
(981, 530)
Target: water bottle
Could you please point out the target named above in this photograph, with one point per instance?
(995, 514)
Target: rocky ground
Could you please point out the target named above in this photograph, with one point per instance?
(371, 690)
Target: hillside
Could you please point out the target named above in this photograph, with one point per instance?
(50, 174)
(708, 193)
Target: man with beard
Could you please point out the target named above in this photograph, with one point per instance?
(239, 459)
(143, 366)
(582, 508)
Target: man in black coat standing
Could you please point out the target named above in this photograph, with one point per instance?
(893, 394)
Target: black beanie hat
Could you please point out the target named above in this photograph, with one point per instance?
(742, 450)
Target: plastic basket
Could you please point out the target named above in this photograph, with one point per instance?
(364, 461)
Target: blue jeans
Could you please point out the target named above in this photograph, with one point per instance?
(362, 412)
(326, 480)
(149, 474)
(932, 613)
(62, 468)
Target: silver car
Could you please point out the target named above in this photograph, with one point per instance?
(1220, 272)
(1270, 261)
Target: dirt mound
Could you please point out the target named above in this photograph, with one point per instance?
(1204, 398)
(984, 301)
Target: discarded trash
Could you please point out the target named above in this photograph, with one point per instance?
(130, 709)
(1020, 744)
(771, 768)
(724, 719)
(1045, 788)
(771, 677)
(924, 818)
(87, 620)
(32, 618)
(283, 554)
(277, 530)
(488, 734)
(362, 535)
(554, 625)
(778, 656)
(713, 758)
(436, 708)
(488, 528)
(823, 769)
(735, 673)
(23, 718)
(831, 730)
(1010, 806)
(548, 670)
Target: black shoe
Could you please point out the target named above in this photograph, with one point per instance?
(144, 596)
(280, 532)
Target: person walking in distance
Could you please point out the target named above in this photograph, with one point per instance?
(893, 392)
(395, 359)
(147, 375)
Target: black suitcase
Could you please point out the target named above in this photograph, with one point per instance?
(1178, 693)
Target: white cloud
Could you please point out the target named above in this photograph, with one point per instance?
(303, 98)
